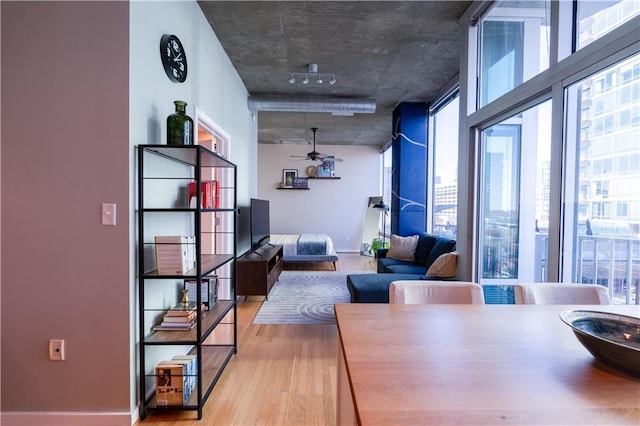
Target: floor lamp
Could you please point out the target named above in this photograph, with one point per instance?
(384, 208)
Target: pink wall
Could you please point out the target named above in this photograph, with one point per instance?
(65, 150)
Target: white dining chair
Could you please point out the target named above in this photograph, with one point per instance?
(431, 292)
(560, 294)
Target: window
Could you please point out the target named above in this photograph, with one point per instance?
(592, 205)
(515, 197)
(514, 46)
(611, 223)
(596, 18)
(386, 188)
(444, 185)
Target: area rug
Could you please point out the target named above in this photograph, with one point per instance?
(304, 297)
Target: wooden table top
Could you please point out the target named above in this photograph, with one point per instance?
(479, 365)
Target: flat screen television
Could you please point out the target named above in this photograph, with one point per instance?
(260, 225)
(243, 232)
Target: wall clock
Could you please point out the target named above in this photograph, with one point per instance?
(174, 59)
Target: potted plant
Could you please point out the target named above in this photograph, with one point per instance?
(376, 244)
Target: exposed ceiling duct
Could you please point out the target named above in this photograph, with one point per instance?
(336, 106)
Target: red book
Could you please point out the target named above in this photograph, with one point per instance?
(216, 194)
(205, 194)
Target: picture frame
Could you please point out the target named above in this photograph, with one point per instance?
(208, 291)
(301, 182)
(288, 177)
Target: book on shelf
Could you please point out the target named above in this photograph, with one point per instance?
(209, 194)
(174, 326)
(170, 383)
(215, 193)
(191, 316)
(191, 377)
(175, 254)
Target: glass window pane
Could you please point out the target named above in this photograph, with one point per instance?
(514, 46)
(445, 169)
(596, 18)
(516, 157)
(604, 239)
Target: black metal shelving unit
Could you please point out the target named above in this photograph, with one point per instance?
(164, 172)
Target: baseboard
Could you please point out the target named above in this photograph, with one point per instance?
(68, 419)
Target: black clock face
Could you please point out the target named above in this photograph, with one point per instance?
(174, 58)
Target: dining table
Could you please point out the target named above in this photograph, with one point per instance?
(481, 364)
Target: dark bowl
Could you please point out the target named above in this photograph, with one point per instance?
(612, 339)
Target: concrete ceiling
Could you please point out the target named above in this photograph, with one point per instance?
(390, 52)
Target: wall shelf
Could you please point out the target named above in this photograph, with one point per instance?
(295, 188)
(324, 177)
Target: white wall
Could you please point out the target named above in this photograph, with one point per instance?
(333, 207)
(212, 85)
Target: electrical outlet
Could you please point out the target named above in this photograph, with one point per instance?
(56, 349)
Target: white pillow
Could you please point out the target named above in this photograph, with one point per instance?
(403, 248)
(444, 266)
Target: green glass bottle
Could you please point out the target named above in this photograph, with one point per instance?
(180, 126)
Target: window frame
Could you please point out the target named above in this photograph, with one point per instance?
(565, 68)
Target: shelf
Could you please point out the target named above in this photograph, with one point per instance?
(189, 337)
(189, 154)
(162, 213)
(209, 262)
(297, 189)
(214, 360)
(185, 209)
(324, 177)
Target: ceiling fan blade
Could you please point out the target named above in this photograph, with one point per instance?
(332, 159)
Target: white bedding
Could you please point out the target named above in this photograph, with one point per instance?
(289, 243)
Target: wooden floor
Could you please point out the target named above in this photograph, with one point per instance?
(281, 375)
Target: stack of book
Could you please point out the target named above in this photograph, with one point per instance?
(176, 379)
(175, 254)
(180, 318)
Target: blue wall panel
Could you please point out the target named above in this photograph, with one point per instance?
(408, 176)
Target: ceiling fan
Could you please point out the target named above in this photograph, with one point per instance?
(315, 155)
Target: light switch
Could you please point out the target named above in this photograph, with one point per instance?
(108, 214)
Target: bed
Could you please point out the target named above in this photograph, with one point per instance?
(306, 248)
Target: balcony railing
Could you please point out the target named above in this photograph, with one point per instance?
(611, 262)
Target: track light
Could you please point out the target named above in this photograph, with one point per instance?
(312, 74)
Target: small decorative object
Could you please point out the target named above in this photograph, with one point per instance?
(208, 290)
(179, 126)
(311, 171)
(326, 169)
(174, 58)
(185, 298)
(288, 175)
(300, 182)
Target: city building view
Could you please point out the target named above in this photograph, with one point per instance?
(601, 165)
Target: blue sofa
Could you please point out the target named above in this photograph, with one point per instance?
(374, 288)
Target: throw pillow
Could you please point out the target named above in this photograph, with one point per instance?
(403, 248)
(445, 266)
